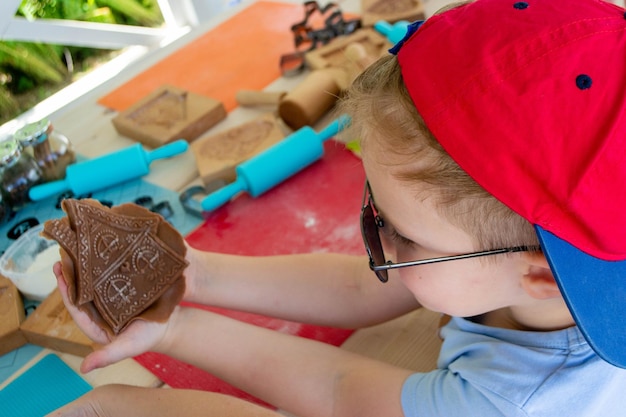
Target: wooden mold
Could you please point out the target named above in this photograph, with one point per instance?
(167, 114)
(11, 317)
(218, 155)
(339, 53)
(51, 326)
(390, 11)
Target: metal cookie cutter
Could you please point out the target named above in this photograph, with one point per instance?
(307, 39)
(191, 198)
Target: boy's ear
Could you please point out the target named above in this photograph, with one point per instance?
(539, 282)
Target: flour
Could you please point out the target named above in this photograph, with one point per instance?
(38, 281)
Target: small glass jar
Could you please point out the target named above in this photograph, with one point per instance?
(5, 210)
(18, 174)
(51, 150)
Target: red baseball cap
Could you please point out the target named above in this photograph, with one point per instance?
(529, 98)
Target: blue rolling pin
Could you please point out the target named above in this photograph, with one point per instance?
(394, 33)
(107, 170)
(276, 164)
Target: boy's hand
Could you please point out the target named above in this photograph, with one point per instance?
(139, 337)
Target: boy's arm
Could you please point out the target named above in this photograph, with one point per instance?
(124, 400)
(301, 376)
(324, 289)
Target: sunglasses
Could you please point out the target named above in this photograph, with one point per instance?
(371, 222)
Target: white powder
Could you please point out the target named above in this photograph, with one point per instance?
(38, 280)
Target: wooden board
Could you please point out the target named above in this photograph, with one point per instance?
(217, 155)
(11, 317)
(168, 114)
(391, 11)
(336, 54)
(51, 326)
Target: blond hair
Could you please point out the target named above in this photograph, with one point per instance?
(381, 109)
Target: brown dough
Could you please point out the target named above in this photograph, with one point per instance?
(120, 264)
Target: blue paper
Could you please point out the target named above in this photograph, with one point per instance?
(46, 386)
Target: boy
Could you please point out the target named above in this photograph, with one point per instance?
(517, 100)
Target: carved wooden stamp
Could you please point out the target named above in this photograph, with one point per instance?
(218, 155)
(351, 54)
(390, 11)
(168, 114)
(51, 326)
(11, 317)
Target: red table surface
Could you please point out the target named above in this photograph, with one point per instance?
(317, 210)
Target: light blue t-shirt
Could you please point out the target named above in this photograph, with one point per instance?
(485, 371)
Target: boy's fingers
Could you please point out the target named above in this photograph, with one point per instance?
(80, 318)
(98, 359)
(61, 284)
(63, 290)
(136, 339)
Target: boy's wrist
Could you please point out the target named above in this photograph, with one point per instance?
(190, 273)
(164, 345)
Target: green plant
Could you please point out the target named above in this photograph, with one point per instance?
(39, 60)
(30, 68)
(8, 105)
(142, 13)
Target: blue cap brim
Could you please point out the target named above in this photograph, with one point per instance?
(595, 292)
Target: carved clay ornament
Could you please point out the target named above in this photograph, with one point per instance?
(120, 264)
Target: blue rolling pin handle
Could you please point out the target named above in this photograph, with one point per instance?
(394, 33)
(223, 195)
(107, 170)
(171, 149)
(41, 191)
(334, 127)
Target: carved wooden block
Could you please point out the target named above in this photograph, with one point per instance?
(218, 155)
(390, 11)
(11, 316)
(338, 53)
(168, 114)
(51, 326)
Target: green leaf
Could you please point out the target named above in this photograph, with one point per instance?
(8, 105)
(47, 52)
(134, 11)
(29, 62)
(99, 15)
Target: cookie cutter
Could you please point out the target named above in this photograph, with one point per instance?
(191, 197)
(307, 39)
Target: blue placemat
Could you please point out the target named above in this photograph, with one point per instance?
(46, 386)
(139, 191)
(15, 359)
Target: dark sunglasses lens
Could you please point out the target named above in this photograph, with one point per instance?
(382, 275)
(372, 240)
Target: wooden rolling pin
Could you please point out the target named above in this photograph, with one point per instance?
(252, 98)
